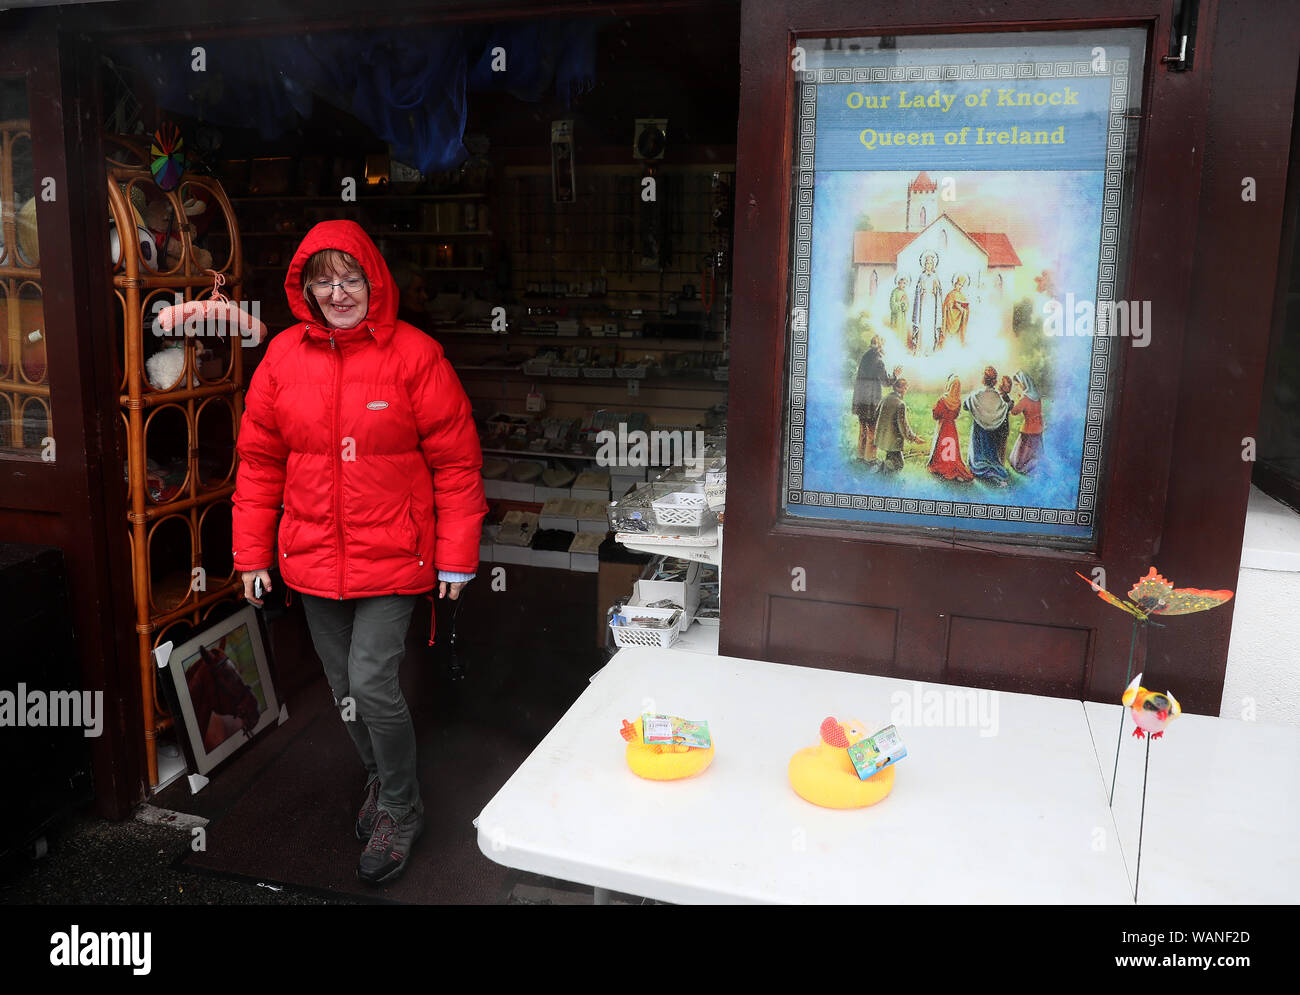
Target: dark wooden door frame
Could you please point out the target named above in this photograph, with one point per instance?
(864, 567)
(1250, 120)
(63, 502)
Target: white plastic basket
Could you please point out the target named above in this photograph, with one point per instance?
(536, 367)
(681, 508)
(630, 372)
(636, 635)
(597, 372)
(565, 371)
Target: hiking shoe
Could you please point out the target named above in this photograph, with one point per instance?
(385, 855)
(369, 810)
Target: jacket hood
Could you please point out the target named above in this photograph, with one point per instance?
(351, 238)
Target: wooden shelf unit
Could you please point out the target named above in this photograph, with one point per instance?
(168, 600)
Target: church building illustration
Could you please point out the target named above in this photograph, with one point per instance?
(987, 260)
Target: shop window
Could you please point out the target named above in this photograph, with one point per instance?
(26, 425)
(1277, 467)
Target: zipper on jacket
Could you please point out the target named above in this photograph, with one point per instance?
(338, 465)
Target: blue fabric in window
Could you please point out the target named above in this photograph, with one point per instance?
(407, 84)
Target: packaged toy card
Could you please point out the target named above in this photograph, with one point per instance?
(670, 730)
(875, 753)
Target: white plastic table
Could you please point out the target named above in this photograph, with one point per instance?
(1222, 808)
(1012, 812)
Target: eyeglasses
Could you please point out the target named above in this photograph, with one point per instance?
(351, 284)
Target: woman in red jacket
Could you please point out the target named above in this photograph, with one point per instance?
(357, 424)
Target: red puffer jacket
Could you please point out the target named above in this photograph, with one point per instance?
(365, 434)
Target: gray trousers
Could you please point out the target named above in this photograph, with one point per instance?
(361, 643)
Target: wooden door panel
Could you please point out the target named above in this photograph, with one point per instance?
(858, 638)
(1044, 659)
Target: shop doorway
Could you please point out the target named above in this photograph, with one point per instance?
(616, 306)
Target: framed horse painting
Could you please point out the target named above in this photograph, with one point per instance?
(223, 690)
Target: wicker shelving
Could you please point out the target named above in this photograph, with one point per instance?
(180, 437)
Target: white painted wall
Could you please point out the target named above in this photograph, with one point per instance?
(1264, 652)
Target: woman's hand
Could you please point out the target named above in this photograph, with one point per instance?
(248, 576)
(455, 587)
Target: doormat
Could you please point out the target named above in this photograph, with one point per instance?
(294, 825)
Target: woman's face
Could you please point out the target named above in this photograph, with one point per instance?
(340, 308)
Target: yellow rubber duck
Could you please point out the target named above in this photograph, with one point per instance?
(824, 774)
(661, 762)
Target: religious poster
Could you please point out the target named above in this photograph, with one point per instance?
(958, 234)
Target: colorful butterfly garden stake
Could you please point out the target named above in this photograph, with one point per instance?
(167, 156)
(1152, 595)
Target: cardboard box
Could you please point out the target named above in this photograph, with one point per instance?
(509, 490)
(521, 555)
(585, 563)
(685, 593)
(592, 516)
(622, 481)
(591, 486)
(614, 581)
(555, 559)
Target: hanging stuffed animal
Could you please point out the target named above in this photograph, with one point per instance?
(215, 315)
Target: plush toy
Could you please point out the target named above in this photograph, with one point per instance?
(217, 315)
(148, 250)
(163, 369)
(143, 237)
(662, 762)
(824, 774)
(159, 217)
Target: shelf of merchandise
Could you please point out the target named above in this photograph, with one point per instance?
(612, 341)
(657, 383)
(167, 601)
(706, 547)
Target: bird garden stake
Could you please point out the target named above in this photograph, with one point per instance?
(1152, 595)
(1137, 874)
(1153, 712)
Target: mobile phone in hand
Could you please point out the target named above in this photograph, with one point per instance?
(257, 588)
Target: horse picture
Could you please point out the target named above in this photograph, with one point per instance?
(223, 702)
